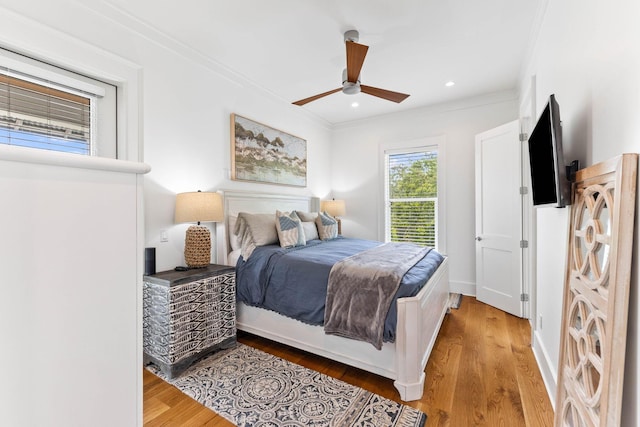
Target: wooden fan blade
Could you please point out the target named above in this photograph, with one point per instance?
(355, 58)
(384, 94)
(314, 97)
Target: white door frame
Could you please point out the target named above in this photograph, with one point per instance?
(527, 116)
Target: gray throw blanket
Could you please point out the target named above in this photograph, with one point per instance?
(362, 287)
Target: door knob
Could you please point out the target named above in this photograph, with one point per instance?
(478, 238)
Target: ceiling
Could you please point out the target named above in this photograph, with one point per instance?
(294, 49)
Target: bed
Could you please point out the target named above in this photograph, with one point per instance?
(418, 317)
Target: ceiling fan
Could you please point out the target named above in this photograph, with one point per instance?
(351, 75)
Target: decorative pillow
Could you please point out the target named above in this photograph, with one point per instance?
(309, 224)
(327, 226)
(255, 230)
(307, 216)
(310, 230)
(233, 237)
(290, 231)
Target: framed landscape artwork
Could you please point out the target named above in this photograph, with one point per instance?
(260, 153)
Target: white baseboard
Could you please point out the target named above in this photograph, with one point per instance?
(464, 288)
(549, 374)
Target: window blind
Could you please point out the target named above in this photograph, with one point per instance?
(41, 116)
(412, 197)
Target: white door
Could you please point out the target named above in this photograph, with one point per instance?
(499, 218)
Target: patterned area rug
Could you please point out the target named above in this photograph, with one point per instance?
(252, 388)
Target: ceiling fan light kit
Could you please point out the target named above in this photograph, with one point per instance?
(348, 87)
(351, 75)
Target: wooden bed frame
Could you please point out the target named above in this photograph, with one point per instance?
(419, 317)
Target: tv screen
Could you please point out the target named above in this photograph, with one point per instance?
(549, 183)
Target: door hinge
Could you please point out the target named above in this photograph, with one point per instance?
(524, 244)
(524, 297)
(523, 191)
(523, 137)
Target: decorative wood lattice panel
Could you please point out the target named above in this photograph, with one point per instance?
(596, 294)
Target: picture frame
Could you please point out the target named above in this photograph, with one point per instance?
(262, 154)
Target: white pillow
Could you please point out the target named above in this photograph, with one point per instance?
(255, 230)
(310, 230)
(308, 224)
(233, 237)
(232, 258)
(307, 216)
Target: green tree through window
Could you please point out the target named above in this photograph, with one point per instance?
(412, 197)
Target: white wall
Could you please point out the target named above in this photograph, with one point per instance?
(70, 284)
(187, 138)
(187, 103)
(71, 258)
(181, 105)
(587, 54)
(358, 179)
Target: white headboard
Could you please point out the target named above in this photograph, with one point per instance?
(244, 201)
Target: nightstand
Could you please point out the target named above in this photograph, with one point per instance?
(187, 315)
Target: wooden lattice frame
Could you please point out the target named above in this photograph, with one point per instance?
(596, 294)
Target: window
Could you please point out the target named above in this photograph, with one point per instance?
(411, 196)
(45, 107)
(33, 115)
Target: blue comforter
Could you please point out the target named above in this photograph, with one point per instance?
(293, 282)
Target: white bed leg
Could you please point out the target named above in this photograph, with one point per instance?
(409, 354)
(410, 391)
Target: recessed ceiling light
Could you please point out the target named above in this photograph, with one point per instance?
(449, 83)
(354, 104)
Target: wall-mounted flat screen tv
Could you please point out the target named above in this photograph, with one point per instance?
(549, 183)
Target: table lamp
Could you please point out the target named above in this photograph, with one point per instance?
(198, 207)
(335, 208)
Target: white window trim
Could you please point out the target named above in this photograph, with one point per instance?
(103, 96)
(435, 143)
(14, 153)
(33, 39)
(46, 75)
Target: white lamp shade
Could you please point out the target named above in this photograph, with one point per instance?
(333, 207)
(199, 207)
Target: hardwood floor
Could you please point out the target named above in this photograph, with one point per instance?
(481, 373)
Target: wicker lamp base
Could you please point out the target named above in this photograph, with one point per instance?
(197, 247)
